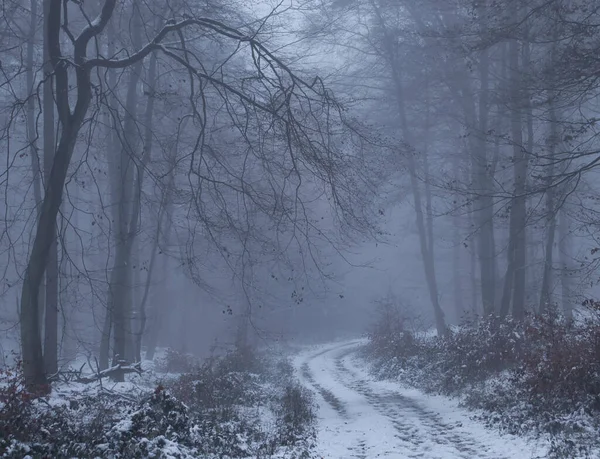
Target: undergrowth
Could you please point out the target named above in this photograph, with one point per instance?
(540, 375)
(236, 406)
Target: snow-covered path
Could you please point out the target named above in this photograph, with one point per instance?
(360, 417)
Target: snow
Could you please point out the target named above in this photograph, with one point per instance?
(124, 425)
(360, 417)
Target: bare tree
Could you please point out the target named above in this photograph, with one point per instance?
(294, 115)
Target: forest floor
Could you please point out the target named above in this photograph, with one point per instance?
(312, 402)
(244, 404)
(361, 417)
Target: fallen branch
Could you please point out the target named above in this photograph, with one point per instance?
(76, 376)
(109, 372)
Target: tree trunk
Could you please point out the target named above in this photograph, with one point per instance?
(32, 130)
(148, 124)
(119, 285)
(142, 308)
(51, 316)
(113, 172)
(136, 299)
(142, 316)
(429, 242)
(427, 256)
(545, 295)
(425, 162)
(458, 294)
(456, 274)
(474, 283)
(484, 183)
(564, 251)
(158, 313)
(71, 121)
(509, 277)
(33, 362)
(129, 208)
(526, 96)
(105, 340)
(519, 211)
(31, 306)
(31, 118)
(152, 330)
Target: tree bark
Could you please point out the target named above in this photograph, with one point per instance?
(105, 339)
(158, 316)
(31, 118)
(546, 294)
(528, 246)
(458, 296)
(509, 277)
(51, 298)
(426, 253)
(31, 344)
(113, 148)
(33, 363)
(143, 314)
(425, 162)
(519, 211)
(148, 125)
(32, 129)
(474, 283)
(553, 140)
(486, 249)
(564, 251)
(129, 209)
(33, 327)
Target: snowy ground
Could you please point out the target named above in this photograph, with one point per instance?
(360, 417)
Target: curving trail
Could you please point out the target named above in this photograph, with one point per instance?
(360, 417)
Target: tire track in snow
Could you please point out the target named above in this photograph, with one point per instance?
(325, 394)
(366, 420)
(401, 409)
(359, 431)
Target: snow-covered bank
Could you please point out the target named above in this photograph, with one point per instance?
(534, 377)
(241, 405)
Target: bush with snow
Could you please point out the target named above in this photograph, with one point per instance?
(231, 407)
(540, 375)
(173, 361)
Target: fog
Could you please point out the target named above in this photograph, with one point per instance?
(177, 175)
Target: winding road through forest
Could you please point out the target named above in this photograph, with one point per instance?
(360, 417)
